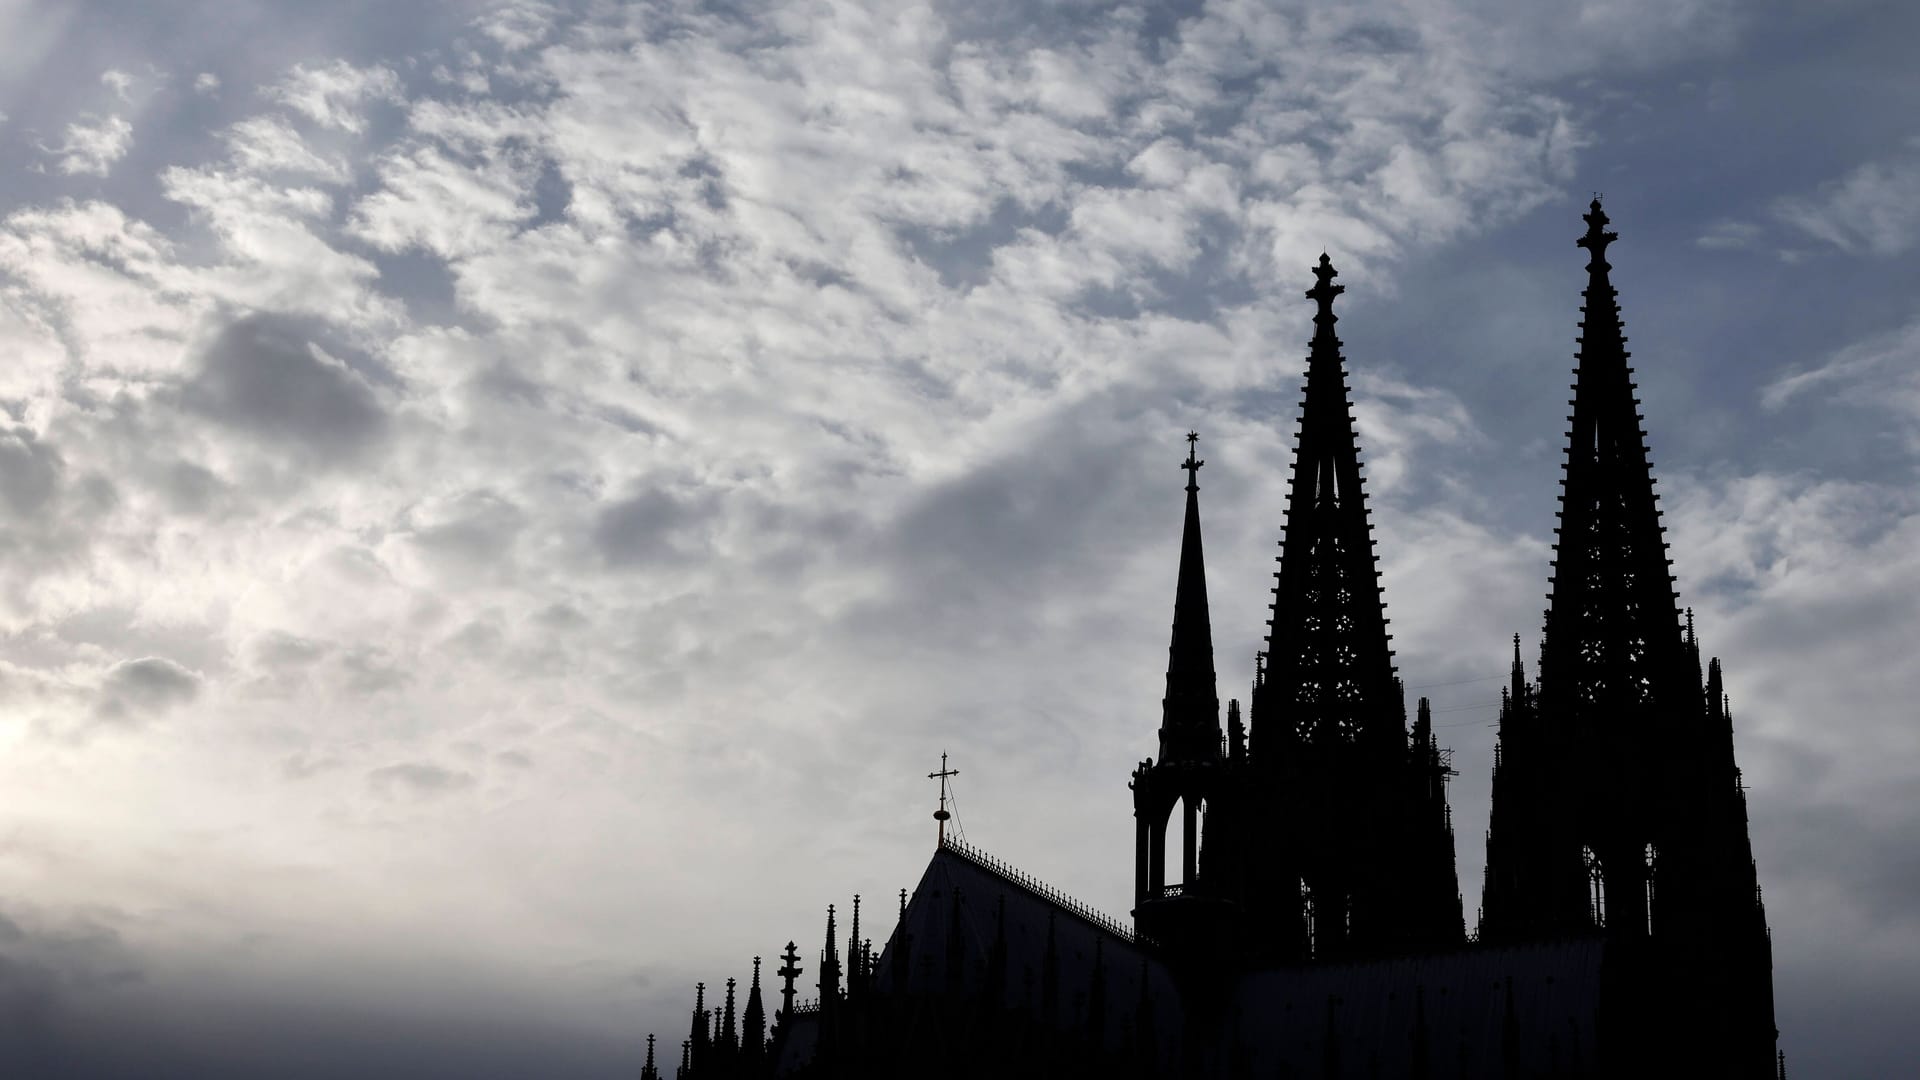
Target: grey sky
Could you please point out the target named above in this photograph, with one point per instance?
(501, 504)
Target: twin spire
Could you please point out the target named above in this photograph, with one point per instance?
(1329, 674)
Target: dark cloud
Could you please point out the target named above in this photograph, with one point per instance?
(29, 471)
(476, 530)
(270, 376)
(371, 670)
(136, 689)
(646, 528)
(419, 778)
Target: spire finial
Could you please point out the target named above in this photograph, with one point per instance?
(1597, 237)
(1324, 290)
(941, 814)
(1193, 463)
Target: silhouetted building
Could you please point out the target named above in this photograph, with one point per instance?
(1308, 922)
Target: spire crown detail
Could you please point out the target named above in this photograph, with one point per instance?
(1597, 236)
(1324, 290)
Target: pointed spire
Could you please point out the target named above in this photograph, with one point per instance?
(1518, 686)
(729, 1034)
(902, 945)
(1612, 629)
(829, 984)
(1716, 692)
(686, 1058)
(1236, 731)
(754, 1022)
(1190, 713)
(789, 971)
(1329, 673)
(855, 969)
(649, 1071)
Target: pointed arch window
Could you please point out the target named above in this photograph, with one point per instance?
(1652, 860)
(1307, 913)
(1596, 887)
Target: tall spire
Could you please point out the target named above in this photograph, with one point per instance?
(1190, 713)
(1329, 674)
(1613, 637)
(649, 1071)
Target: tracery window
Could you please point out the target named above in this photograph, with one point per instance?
(1597, 887)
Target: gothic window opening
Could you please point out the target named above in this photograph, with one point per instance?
(1307, 913)
(1597, 888)
(1651, 859)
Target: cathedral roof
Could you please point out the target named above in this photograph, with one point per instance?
(1061, 958)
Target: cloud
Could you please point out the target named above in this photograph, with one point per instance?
(92, 145)
(419, 778)
(268, 145)
(1879, 375)
(267, 376)
(335, 95)
(29, 472)
(136, 689)
(687, 397)
(1872, 210)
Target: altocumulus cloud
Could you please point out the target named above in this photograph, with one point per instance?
(522, 476)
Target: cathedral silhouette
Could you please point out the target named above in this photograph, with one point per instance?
(1315, 930)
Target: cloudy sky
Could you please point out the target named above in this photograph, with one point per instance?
(502, 504)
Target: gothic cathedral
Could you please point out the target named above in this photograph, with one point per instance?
(1314, 927)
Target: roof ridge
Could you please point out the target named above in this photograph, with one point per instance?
(1014, 876)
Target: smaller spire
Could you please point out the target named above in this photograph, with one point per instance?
(698, 1029)
(1236, 731)
(649, 1071)
(1190, 711)
(686, 1057)
(729, 1034)
(855, 969)
(829, 963)
(754, 1031)
(1519, 687)
(788, 972)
